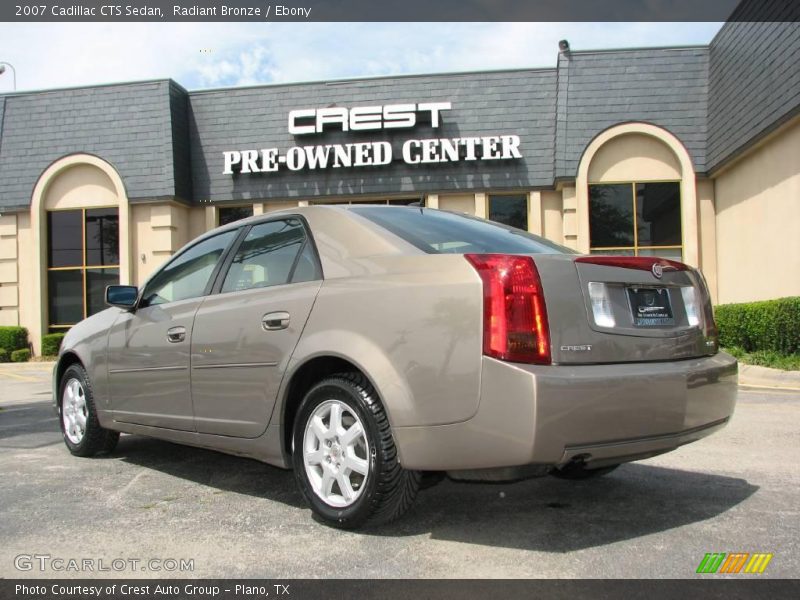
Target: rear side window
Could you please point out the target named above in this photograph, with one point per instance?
(272, 253)
(440, 232)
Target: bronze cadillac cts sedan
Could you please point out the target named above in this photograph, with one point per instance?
(373, 349)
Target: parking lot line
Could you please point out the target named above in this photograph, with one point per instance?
(19, 377)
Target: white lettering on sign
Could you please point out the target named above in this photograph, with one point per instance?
(370, 154)
(305, 121)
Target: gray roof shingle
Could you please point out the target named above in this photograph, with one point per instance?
(167, 142)
(127, 125)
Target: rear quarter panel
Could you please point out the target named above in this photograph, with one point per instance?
(413, 325)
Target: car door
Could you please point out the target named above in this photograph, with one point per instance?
(149, 348)
(245, 333)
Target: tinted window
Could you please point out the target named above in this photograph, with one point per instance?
(234, 213)
(65, 296)
(509, 210)
(611, 215)
(658, 214)
(65, 238)
(82, 258)
(102, 237)
(96, 282)
(187, 275)
(441, 232)
(272, 253)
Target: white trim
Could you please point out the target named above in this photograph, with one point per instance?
(39, 229)
(689, 213)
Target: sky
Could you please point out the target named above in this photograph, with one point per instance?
(209, 55)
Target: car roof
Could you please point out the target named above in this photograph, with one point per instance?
(302, 211)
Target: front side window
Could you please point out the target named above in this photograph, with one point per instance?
(82, 259)
(188, 274)
(272, 253)
(638, 219)
(509, 209)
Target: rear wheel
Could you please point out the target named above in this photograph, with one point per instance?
(82, 432)
(344, 457)
(579, 471)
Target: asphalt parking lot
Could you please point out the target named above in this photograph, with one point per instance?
(737, 491)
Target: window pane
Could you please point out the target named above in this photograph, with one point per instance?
(671, 253)
(229, 214)
(611, 215)
(102, 237)
(96, 282)
(187, 275)
(266, 256)
(509, 210)
(65, 296)
(615, 252)
(405, 201)
(658, 212)
(438, 232)
(64, 238)
(307, 268)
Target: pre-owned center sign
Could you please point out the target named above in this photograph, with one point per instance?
(364, 154)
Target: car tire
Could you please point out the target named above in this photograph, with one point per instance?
(578, 471)
(328, 457)
(83, 434)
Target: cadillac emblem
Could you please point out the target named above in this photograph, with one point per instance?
(658, 270)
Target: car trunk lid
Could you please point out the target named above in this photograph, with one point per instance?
(616, 309)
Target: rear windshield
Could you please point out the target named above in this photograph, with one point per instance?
(441, 232)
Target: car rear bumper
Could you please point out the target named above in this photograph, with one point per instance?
(600, 414)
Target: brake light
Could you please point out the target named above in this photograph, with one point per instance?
(515, 326)
(642, 263)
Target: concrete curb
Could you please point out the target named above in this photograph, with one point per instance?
(754, 376)
(35, 365)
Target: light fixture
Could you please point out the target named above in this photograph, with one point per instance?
(3, 66)
(563, 46)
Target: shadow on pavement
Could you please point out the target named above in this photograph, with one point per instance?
(214, 469)
(543, 514)
(552, 515)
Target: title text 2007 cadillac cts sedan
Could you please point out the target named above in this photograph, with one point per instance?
(371, 348)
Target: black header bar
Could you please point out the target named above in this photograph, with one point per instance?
(398, 10)
(708, 588)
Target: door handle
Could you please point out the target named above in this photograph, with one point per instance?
(275, 320)
(176, 334)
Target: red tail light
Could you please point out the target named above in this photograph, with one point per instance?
(515, 324)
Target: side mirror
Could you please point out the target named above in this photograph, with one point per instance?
(122, 296)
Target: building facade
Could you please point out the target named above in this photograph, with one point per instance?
(690, 153)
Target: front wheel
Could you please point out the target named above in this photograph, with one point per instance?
(82, 432)
(344, 457)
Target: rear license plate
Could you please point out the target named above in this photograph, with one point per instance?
(650, 307)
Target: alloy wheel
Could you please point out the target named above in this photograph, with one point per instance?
(74, 412)
(336, 453)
